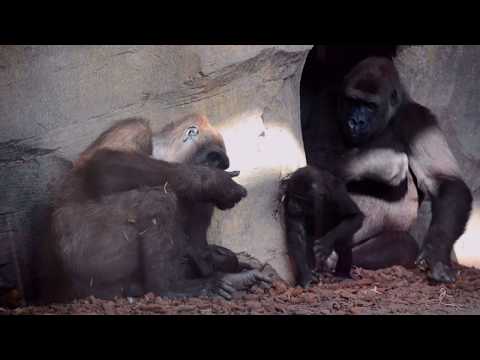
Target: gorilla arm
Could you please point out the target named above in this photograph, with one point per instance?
(375, 162)
(339, 238)
(110, 171)
(295, 222)
(438, 175)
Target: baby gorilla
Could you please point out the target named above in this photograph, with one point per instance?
(132, 217)
(320, 217)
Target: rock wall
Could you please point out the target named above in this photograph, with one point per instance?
(446, 79)
(54, 100)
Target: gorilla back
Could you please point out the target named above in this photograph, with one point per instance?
(124, 223)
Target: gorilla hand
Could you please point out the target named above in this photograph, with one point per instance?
(246, 279)
(398, 170)
(438, 271)
(222, 190)
(384, 165)
(225, 285)
(202, 183)
(322, 251)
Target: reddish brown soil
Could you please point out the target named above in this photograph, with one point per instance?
(390, 291)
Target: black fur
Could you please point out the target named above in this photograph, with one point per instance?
(320, 217)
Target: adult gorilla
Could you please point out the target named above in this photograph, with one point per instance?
(392, 154)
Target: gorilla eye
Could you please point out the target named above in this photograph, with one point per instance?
(191, 131)
(394, 97)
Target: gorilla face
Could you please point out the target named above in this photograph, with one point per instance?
(370, 98)
(211, 154)
(359, 120)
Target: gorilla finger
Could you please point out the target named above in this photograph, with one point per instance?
(265, 285)
(261, 277)
(225, 294)
(245, 266)
(422, 264)
(227, 287)
(233, 173)
(226, 205)
(320, 248)
(242, 192)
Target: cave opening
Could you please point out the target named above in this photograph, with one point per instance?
(325, 66)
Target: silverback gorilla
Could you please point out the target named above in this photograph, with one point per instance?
(132, 216)
(392, 154)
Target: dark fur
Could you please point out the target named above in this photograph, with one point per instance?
(320, 217)
(125, 224)
(393, 154)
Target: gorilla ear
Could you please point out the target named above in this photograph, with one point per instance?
(314, 189)
(394, 98)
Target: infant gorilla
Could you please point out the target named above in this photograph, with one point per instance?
(320, 217)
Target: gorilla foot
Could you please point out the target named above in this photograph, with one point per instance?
(222, 288)
(442, 273)
(310, 279)
(437, 271)
(246, 279)
(322, 255)
(342, 275)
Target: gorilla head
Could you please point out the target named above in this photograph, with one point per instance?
(192, 140)
(370, 96)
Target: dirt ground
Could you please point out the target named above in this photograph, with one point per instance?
(391, 291)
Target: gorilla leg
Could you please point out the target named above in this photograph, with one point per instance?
(205, 260)
(297, 249)
(167, 255)
(223, 259)
(167, 271)
(450, 212)
(345, 261)
(386, 250)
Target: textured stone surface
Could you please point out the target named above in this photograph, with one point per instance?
(54, 100)
(445, 78)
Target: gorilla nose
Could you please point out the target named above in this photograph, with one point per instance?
(218, 159)
(357, 123)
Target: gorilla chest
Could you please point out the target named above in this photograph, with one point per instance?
(393, 209)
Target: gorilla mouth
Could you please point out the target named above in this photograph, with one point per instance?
(215, 159)
(356, 136)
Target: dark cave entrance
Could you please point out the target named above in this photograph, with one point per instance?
(326, 65)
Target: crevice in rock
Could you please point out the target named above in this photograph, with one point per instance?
(13, 151)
